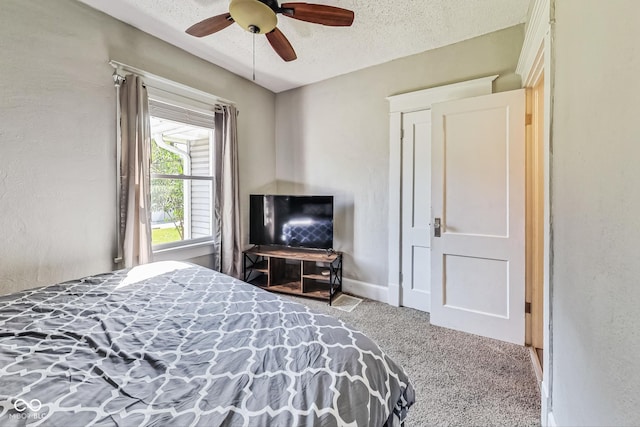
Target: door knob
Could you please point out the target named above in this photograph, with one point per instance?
(437, 227)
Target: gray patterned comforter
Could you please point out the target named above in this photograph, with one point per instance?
(173, 344)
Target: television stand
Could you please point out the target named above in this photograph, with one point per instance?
(303, 272)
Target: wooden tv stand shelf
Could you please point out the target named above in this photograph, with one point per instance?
(305, 272)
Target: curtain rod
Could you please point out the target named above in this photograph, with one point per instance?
(162, 83)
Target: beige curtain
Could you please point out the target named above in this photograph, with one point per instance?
(228, 254)
(135, 183)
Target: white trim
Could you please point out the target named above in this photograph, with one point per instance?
(537, 69)
(398, 105)
(169, 86)
(394, 219)
(547, 317)
(545, 414)
(366, 290)
(537, 28)
(423, 99)
(535, 60)
(551, 420)
(394, 294)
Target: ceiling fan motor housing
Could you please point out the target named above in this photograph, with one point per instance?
(253, 15)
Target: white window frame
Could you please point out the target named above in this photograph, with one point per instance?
(189, 112)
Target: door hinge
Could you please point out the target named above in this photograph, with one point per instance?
(527, 308)
(528, 119)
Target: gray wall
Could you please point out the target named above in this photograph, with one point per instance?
(57, 134)
(596, 213)
(333, 137)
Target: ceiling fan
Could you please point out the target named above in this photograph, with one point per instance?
(259, 17)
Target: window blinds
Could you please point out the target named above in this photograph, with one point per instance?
(180, 114)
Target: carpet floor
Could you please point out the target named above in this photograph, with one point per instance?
(460, 379)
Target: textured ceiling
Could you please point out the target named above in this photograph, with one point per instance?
(382, 31)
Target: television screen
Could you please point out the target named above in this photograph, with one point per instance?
(297, 221)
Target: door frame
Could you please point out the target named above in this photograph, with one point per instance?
(536, 61)
(535, 221)
(398, 105)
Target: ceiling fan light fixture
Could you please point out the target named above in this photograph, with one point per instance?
(254, 16)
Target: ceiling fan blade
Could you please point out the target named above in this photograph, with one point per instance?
(281, 45)
(318, 14)
(210, 25)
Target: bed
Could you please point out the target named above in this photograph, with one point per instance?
(177, 344)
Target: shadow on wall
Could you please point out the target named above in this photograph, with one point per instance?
(343, 207)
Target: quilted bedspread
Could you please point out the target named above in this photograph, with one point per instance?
(173, 344)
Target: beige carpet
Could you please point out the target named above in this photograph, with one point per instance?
(460, 379)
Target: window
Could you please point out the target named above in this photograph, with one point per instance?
(181, 175)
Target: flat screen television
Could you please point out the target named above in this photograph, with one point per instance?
(295, 221)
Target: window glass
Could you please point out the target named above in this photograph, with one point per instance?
(181, 183)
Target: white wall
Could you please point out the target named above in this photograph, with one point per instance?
(57, 134)
(596, 213)
(333, 137)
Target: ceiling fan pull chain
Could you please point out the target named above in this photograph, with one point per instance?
(254, 57)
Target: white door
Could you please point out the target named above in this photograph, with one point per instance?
(478, 189)
(416, 210)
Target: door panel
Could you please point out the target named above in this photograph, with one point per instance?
(476, 182)
(489, 293)
(416, 210)
(478, 193)
(421, 273)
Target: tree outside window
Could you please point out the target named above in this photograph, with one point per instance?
(167, 195)
(181, 183)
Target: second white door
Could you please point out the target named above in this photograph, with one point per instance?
(416, 210)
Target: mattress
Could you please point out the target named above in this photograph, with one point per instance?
(178, 344)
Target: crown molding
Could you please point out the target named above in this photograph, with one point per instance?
(537, 28)
(423, 99)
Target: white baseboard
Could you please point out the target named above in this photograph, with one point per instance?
(366, 290)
